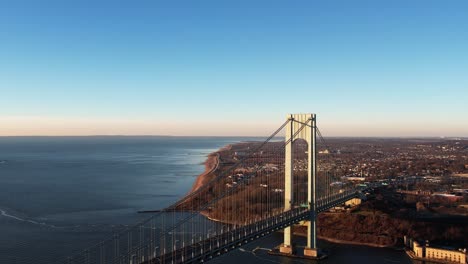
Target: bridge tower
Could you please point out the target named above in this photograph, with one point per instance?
(307, 133)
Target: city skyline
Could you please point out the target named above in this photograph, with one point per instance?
(233, 69)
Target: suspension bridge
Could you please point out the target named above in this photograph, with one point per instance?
(261, 188)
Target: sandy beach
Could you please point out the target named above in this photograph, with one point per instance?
(211, 164)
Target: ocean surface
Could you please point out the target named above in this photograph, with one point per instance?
(59, 195)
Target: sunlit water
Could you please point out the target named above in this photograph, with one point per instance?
(62, 194)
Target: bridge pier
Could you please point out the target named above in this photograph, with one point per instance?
(286, 249)
(311, 249)
(311, 252)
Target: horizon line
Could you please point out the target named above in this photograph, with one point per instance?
(236, 136)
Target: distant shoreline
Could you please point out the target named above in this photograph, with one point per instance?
(110, 136)
(244, 136)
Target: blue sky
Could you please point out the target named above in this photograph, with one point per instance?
(370, 68)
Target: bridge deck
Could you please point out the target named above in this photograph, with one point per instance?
(219, 244)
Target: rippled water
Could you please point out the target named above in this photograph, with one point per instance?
(63, 194)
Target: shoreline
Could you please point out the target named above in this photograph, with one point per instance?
(211, 165)
(346, 242)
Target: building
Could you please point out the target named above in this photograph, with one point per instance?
(455, 256)
(356, 178)
(353, 202)
(420, 252)
(418, 249)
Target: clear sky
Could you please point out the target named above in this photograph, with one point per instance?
(367, 68)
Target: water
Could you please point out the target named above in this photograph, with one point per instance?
(337, 253)
(62, 194)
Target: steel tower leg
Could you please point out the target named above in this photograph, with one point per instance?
(286, 247)
(311, 249)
